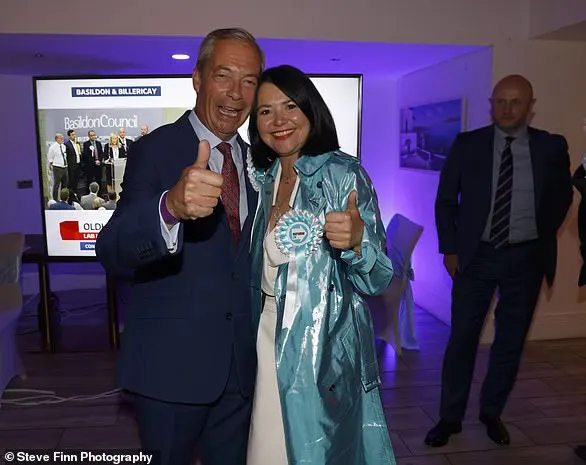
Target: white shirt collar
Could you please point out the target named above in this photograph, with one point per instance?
(203, 133)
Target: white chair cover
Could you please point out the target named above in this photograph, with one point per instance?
(393, 311)
(11, 249)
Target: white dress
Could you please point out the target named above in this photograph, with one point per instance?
(266, 445)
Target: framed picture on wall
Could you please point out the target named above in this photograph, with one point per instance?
(428, 131)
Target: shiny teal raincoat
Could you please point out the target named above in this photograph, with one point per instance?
(327, 368)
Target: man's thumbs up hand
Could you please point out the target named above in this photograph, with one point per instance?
(197, 192)
(203, 155)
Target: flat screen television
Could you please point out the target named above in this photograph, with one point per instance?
(107, 104)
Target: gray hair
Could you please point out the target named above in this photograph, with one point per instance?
(207, 46)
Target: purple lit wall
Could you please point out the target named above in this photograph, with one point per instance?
(379, 137)
(21, 209)
(412, 193)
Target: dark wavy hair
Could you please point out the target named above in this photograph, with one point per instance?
(298, 87)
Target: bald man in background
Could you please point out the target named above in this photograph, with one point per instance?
(503, 193)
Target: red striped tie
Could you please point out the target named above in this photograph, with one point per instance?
(231, 190)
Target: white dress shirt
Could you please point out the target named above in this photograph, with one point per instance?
(56, 155)
(76, 149)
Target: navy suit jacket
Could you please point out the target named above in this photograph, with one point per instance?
(188, 312)
(465, 192)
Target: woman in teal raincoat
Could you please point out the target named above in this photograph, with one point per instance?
(318, 242)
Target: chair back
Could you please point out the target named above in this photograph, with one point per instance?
(402, 236)
(11, 250)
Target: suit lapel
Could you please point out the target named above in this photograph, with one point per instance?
(188, 140)
(486, 165)
(537, 165)
(251, 195)
(251, 200)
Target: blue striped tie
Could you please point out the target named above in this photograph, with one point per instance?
(501, 213)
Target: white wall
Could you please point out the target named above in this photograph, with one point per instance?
(20, 208)
(550, 15)
(415, 21)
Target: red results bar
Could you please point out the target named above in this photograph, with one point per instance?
(70, 232)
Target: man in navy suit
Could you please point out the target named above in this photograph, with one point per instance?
(182, 229)
(503, 193)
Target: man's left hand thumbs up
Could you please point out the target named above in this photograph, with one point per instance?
(344, 229)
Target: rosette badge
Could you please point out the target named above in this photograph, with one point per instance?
(298, 231)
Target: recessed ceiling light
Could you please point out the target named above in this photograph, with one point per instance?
(180, 56)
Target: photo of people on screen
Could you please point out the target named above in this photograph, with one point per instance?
(57, 162)
(85, 173)
(114, 152)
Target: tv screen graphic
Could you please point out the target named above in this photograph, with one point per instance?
(86, 127)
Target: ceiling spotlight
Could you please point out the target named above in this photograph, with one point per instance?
(180, 56)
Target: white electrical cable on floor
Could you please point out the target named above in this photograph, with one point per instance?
(37, 391)
(45, 397)
(49, 397)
